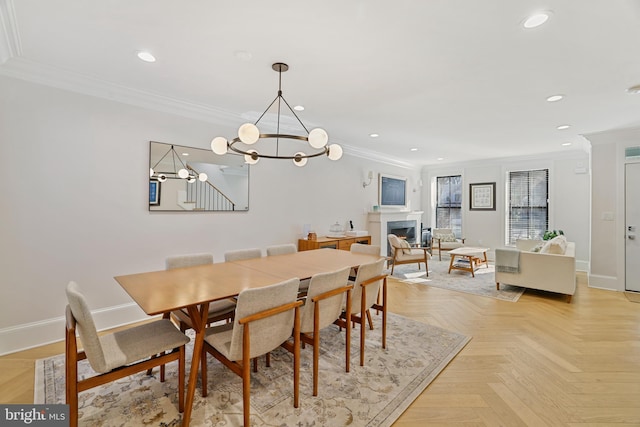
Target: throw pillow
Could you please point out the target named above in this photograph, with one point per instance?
(446, 237)
(556, 246)
(406, 247)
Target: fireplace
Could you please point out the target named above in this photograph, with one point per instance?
(403, 229)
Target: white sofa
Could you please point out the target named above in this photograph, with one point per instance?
(543, 270)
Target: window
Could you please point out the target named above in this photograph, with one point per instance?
(449, 203)
(528, 215)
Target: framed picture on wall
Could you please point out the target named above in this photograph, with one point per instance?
(482, 196)
(154, 192)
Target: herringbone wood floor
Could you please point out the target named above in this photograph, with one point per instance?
(537, 362)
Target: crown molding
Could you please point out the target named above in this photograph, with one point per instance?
(10, 46)
(376, 157)
(36, 72)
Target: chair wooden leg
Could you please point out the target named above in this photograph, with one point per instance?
(369, 319)
(246, 377)
(296, 358)
(181, 371)
(348, 336)
(203, 370)
(362, 324)
(71, 378)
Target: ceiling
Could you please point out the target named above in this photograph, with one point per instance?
(458, 80)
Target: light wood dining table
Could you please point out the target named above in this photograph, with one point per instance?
(194, 288)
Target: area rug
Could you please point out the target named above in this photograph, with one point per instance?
(483, 284)
(373, 395)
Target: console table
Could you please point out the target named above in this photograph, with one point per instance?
(343, 243)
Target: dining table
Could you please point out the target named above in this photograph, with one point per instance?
(194, 288)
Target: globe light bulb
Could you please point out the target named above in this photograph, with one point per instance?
(183, 173)
(299, 160)
(202, 177)
(219, 145)
(249, 159)
(335, 152)
(162, 177)
(249, 133)
(318, 138)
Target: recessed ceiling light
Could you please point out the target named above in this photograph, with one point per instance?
(146, 56)
(414, 149)
(440, 158)
(536, 20)
(566, 144)
(634, 89)
(374, 135)
(555, 98)
(298, 108)
(185, 154)
(563, 127)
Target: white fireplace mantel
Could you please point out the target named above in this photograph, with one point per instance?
(378, 225)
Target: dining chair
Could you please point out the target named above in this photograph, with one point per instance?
(265, 318)
(325, 299)
(403, 253)
(288, 248)
(363, 297)
(115, 355)
(241, 254)
(443, 239)
(218, 310)
(360, 248)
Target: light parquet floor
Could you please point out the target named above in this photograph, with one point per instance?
(537, 362)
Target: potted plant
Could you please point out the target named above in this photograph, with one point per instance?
(550, 234)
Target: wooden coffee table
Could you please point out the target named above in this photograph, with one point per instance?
(468, 259)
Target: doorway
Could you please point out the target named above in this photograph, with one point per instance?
(632, 224)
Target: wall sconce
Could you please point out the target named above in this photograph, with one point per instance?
(370, 176)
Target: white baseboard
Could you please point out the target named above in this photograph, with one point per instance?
(610, 283)
(29, 335)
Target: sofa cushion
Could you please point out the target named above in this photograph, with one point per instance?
(557, 246)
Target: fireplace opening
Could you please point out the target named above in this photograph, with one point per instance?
(404, 230)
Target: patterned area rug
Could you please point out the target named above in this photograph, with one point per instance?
(373, 395)
(483, 284)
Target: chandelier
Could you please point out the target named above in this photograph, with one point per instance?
(185, 173)
(249, 134)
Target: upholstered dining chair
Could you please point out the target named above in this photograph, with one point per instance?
(326, 297)
(403, 253)
(116, 355)
(360, 248)
(218, 310)
(265, 318)
(443, 239)
(241, 254)
(364, 297)
(288, 248)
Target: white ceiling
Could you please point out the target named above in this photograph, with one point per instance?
(456, 79)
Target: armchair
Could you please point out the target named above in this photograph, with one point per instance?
(443, 239)
(403, 253)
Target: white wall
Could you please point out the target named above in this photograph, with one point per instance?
(74, 185)
(608, 206)
(569, 198)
